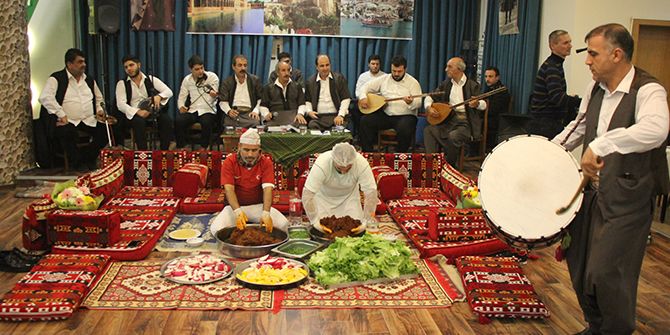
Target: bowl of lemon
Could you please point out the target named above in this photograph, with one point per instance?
(271, 273)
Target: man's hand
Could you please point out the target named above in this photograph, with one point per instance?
(268, 117)
(61, 121)
(313, 114)
(473, 103)
(254, 116)
(143, 113)
(300, 119)
(100, 113)
(157, 101)
(358, 229)
(233, 113)
(433, 112)
(591, 164)
(183, 109)
(326, 229)
(240, 219)
(339, 120)
(266, 220)
(408, 100)
(363, 103)
(213, 93)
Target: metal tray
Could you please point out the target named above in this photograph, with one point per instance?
(322, 237)
(313, 244)
(189, 282)
(306, 229)
(242, 266)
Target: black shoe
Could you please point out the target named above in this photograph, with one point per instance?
(12, 262)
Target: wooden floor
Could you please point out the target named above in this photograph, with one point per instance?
(549, 277)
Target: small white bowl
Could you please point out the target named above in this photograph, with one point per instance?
(195, 242)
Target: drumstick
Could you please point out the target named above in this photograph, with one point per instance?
(562, 210)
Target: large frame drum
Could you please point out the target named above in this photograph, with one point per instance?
(522, 183)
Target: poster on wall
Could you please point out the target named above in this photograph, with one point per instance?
(507, 17)
(152, 15)
(392, 19)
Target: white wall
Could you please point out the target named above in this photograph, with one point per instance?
(578, 17)
(50, 33)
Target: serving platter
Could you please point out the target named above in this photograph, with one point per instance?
(323, 237)
(196, 269)
(280, 286)
(184, 234)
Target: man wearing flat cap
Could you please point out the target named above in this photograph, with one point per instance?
(333, 183)
(247, 177)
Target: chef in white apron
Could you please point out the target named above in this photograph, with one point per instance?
(333, 184)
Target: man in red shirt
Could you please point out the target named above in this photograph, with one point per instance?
(248, 180)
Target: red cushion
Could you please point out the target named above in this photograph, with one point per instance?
(453, 182)
(301, 182)
(34, 227)
(53, 289)
(189, 179)
(107, 180)
(99, 228)
(206, 201)
(390, 183)
(497, 287)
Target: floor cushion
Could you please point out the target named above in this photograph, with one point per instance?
(206, 201)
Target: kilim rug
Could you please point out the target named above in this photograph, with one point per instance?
(139, 285)
(199, 222)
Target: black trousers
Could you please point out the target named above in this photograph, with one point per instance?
(165, 131)
(371, 124)
(185, 120)
(68, 137)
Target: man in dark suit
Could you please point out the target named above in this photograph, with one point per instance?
(498, 104)
(327, 97)
(240, 96)
(282, 96)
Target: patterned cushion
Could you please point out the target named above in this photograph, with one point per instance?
(424, 193)
(99, 228)
(453, 182)
(53, 289)
(206, 201)
(107, 180)
(212, 160)
(496, 287)
(420, 170)
(146, 168)
(189, 179)
(34, 227)
(390, 183)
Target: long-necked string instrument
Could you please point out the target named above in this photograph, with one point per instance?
(375, 101)
(444, 110)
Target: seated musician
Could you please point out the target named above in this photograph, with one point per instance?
(75, 100)
(327, 97)
(240, 96)
(498, 104)
(296, 75)
(142, 99)
(463, 123)
(333, 184)
(282, 96)
(400, 115)
(197, 103)
(247, 177)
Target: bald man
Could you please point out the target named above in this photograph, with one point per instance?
(464, 123)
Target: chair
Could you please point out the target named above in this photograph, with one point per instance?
(194, 133)
(83, 139)
(388, 138)
(151, 131)
(481, 144)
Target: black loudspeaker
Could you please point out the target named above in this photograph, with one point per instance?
(108, 15)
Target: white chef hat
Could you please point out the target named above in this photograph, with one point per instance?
(250, 137)
(343, 154)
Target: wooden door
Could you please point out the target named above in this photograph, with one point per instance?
(652, 49)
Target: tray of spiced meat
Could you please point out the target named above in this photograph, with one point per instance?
(340, 227)
(251, 242)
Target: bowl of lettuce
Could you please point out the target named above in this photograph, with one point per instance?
(361, 259)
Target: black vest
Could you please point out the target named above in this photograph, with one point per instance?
(627, 181)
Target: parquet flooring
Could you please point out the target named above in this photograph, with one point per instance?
(549, 277)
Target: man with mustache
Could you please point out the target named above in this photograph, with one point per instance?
(197, 102)
(247, 177)
(283, 95)
(400, 115)
(296, 75)
(240, 96)
(142, 99)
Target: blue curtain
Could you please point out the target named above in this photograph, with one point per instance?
(515, 55)
(441, 29)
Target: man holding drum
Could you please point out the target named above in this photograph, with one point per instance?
(623, 124)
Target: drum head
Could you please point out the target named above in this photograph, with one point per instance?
(523, 181)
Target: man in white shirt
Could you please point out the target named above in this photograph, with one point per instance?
(282, 96)
(197, 103)
(464, 122)
(142, 99)
(374, 71)
(75, 100)
(623, 125)
(327, 98)
(240, 96)
(400, 115)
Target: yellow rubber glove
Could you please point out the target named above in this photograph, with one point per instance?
(326, 229)
(266, 220)
(241, 219)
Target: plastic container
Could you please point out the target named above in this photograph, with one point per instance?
(295, 210)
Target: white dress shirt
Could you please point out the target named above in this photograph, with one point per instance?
(201, 101)
(265, 110)
(77, 102)
(241, 98)
(389, 88)
(456, 96)
(139, 93)
(364, 78)
(325, 105)
(648, 132)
